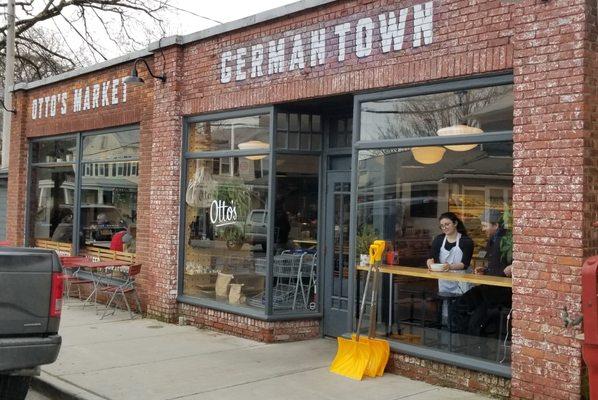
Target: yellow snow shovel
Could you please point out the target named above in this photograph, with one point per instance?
(379, 349)
(353, 355)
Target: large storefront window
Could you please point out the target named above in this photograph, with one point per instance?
(488, 109)
(442, 203)
(108, 196)
(226, 230)
(52, 208)
(296, 233)
(226, 213)
(409, 205)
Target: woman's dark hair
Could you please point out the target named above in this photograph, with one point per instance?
(453, 217)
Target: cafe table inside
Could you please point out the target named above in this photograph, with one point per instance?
(413, 314)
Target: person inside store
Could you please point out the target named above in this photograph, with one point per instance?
(129, 239)
(116, 243)
(453, 248)
(478, 312)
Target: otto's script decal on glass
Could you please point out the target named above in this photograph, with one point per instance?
(222, 214)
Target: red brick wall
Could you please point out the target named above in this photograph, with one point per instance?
(269, 332)
(550, 47)
(159, 243)
(470, 37)
(17, 177)
(551, 147)
(448, 375)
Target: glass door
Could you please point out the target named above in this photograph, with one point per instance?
(336, 267)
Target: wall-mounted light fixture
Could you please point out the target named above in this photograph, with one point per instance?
(134, 79)
(3, 106)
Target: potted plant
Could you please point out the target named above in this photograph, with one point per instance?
(365, 237)
(236, 194)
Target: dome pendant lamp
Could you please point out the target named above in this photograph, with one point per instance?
(460, 129)
(428, 155)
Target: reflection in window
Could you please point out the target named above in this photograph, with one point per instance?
(400, 200)
(489, 109)
(230, 134)
(295, 233)
(226, 229)
(115, 145)
(53, 151)
(52, 204)
(108, 215)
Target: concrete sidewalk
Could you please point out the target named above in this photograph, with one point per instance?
(118, 358)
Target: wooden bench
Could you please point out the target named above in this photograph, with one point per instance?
(97, 253)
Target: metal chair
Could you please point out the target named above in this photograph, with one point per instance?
(70, 263)
(121, 289)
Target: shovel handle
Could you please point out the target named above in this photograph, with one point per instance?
(362, 307)
(374, 302)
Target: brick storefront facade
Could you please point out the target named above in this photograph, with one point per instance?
(549, 46)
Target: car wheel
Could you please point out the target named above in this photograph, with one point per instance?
(14, 387)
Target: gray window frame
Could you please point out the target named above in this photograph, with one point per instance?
(79, 165)
(268, 313)
(502, 136)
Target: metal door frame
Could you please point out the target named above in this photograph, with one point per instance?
(333, 177)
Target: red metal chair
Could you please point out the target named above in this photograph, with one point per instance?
(70, 263)
(127, 286)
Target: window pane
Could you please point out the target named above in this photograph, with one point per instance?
(228, 134)
(489, 109)
(50, 151)
(108, 207)
(402, 197)
(296, 227)
(52, 203)
(226, 230)
(116, 145)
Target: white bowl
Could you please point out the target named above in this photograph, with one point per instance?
(437, 267)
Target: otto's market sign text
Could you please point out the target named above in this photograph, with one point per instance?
(312, 48)
(98, 95)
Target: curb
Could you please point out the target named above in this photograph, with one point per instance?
(58, 389)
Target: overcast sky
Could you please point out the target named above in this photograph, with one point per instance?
(220, 10)
(181, 18)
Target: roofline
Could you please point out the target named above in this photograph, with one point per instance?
(180, 40)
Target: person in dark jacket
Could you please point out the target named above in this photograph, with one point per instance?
(471, 312)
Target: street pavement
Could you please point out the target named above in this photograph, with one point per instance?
(119, 358)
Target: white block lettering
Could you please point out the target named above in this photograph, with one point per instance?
(87, 99)
(257, 59)
(105, 98)
(63, 98)
(341, 30)
(297, 54)
(115, 83)
(77, 96)
(275, 56)
(363, 37)
(422, 23)
(53, 106)
(95, 102)
(318, 47)
(34, 109)
(226, 72)
(390, 33)
(241, 75)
